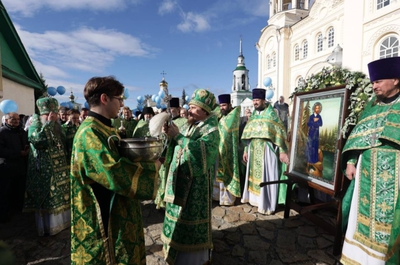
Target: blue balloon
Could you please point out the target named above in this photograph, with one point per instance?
(86, 105)
(163, 106)
(140, 99)
(153, 98)
(64, 104)
(158, 106)
(140, 107)
(187, 98)
(161, 93)
(61, 90)
(267, 81)
(185, 106)
(126, 93)
(52, 91)
(158, 100)
(8, 105)
(269, 94)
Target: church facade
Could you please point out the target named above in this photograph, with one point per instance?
(304, 36)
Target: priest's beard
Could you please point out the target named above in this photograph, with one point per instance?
(191, 120)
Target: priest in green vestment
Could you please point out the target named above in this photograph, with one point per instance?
(47, 185)
(227, 179)
(371, 157)
(266, 147)
(142, 127)
(125, 124)
(106, 189)
(169, 152)
(187, 231)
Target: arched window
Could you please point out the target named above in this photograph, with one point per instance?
(389, 47)
(296, 52)
(274, 59)
(268, 62)
(331, 37)
(305, 49)
(320, 43)
(382, 3)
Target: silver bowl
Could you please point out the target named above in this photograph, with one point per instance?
(140, 149)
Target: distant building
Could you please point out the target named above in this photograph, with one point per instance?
(240, 84)
(303, 36)
(18, 76)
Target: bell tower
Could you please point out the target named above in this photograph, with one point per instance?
(240, 86)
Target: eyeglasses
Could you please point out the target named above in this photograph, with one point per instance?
(120, 98)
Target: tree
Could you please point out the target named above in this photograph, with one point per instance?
(184, 97)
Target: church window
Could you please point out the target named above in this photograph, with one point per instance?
(382, 3)
(331, 37)
(268, 62)
(389, 47)
(274, 59)
(305, 49)
(296, 52)
(320, 42)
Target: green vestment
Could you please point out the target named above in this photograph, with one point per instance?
(377, 137)
(141, 130)
(129, 125)
(168, 154)
(95, 161)
(228, 162)
(47, 187)
(264, 129)
(187, 223)
(69, 131)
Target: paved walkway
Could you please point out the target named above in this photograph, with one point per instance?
(240, 235)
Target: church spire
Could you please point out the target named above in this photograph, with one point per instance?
(240, 51)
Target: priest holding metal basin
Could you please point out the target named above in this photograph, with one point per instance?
(106, 187)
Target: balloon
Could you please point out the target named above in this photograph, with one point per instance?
(86, 105)
(140, 99)
(158, 106)
(269, 94)
(153, 97)
(158, 100)
(61, 90)
(8, 105)
(126, 93)
(187, 98)
(185, 106)
(161, 93)
(267, 81)
(64, 104)
(140, 107)
(163, 106)
(52, 91)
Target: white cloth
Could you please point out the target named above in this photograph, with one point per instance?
(353, 252)
(221, 194)
(52, 224)
(267, 200)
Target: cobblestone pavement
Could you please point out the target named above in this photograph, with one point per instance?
(240, 236)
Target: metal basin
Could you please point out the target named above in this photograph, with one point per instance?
(141, 149)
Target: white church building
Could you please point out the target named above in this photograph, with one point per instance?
(304, 36)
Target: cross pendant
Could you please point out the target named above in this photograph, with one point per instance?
(59, 146)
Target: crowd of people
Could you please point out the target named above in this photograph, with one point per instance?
(62, 166)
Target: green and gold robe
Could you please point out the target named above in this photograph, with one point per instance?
(263, 131)
(69, 131)
(376, 224)
(187, 223)
(141, 129)
(228, 162)
(168, 154)
(97, 166)
(47, 185)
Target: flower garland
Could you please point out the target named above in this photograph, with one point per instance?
(357, 82)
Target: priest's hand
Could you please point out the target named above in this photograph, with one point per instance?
(245, 157)
(350, 171)
(172, 130)
(284, 158)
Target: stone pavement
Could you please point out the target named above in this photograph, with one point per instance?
(240, 236)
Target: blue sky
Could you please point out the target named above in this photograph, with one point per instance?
(196, 43)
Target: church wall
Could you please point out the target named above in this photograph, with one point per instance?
(22, 95)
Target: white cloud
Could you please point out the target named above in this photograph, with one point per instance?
(84, 49)
(193, 22)
(167, 6)
(29, 7)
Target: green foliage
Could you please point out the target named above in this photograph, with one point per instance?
(357, 82)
